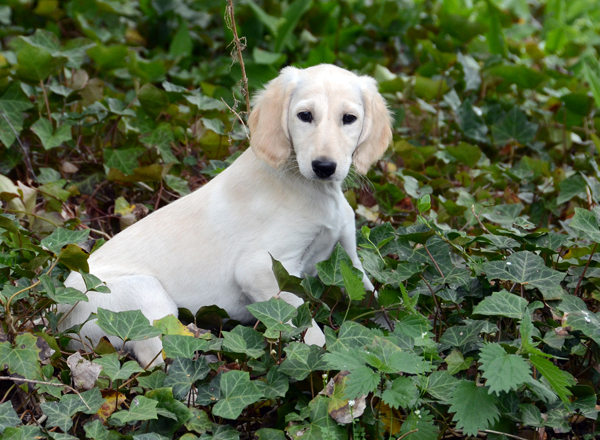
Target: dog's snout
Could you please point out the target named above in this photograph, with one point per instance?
(323, 168)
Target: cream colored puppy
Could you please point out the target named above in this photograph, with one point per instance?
(283, 197)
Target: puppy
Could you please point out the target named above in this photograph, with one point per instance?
(282, 197)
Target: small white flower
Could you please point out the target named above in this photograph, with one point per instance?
(325, 376)
(423, 334)
(351, 403)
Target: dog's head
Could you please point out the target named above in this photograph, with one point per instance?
(328, 116)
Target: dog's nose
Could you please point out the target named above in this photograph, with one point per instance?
(323, 168)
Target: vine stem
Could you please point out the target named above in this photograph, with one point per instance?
(39, 382)
(585, 269)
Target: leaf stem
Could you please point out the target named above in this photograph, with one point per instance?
(585, 269)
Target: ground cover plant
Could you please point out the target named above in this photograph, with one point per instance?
(479, 227)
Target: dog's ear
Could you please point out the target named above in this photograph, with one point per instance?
(269, 135)
(377, 129)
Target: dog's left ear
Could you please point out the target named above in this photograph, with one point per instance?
(377, 129)
(269, 119)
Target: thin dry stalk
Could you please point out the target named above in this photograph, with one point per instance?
(239, 45)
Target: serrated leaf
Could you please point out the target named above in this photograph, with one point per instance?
(352, 282)
(528, 269)
(141, 408)
(301, 360)
(51, 138)
(402, 394)
(422, 422)
(183, 373)
(274, 313)
(244, 340)
(502, 303)
(129, 325)
(361, 381)
(475, 409)
(559, 380)
(237, 392)
(8, 416)
(344, 360)
(62, 237)
(113, 369)
(330, 272)
(503, 371)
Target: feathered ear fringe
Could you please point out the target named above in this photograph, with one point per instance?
(269, 119)
(377, 130)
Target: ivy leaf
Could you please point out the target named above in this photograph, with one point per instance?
(402, 394)
(237, 392)
(578, 317)
(123, 159)
(528, 269)
(586, 223)
(276, 385)
(12, 105)
(502, 303)
(24, 358)
(503, 214)
(471, 124)
(113, 369)
(244, 340)
(183, 346)
(514, 127)
(162, 137)
(352, 282)
(301, 360)
(286, 282)
(51, 138)
(60, 413)
(474, 407)
(183, 373)
(504, 372)
(129, 326)
(461, 335)
(351, 336)
(559, 380)
(141, 408)
(8, 416)
(439, 384)
(330, 271)
(62, 237)
(274, 313)
(571, 187)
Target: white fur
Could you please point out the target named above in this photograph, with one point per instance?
(213, 246)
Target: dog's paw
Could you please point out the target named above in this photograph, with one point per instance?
(314, 335)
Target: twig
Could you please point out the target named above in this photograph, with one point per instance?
(25, 150)
(239, 47)
(39, 382)
(478, 220)
(409, 432)
(237, 115)
(434, 262)
(585, 269)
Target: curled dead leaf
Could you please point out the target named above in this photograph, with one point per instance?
(83, 372)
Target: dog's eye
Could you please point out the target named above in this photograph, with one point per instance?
(348, 119)
(305, 116)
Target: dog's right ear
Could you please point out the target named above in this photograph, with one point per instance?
(269, 135)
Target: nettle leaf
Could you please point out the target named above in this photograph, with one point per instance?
(24, 358)
(345, 360)
(301, 360)
(244, 340)
(51, 138)
(586, 223)
(528, 269)
(183, 373)
(402, 394)
(330, 272)
(141, 408)
(274, 313)
(503, 371)
(353, 283)
(559, 380)
(502, 303)
(422, 422)
(475, 409)
(514, 127)
(129, 326)
(113, 369)
(62, 237)
(237, 392)
(361, 381)
(8, 416)
(183, 346)
(389, 358)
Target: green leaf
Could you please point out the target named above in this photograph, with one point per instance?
(162, 137)
(571, 187)
(244, 340)
(141, 408)
(60, 413)
(528, 269)
(8, 416)
(475, 409)
(504, 372)
(123, 159)
(237, 392)
(153, 100)
(183, 346)
(579, 318)
(439, 384)
(270, 434)
(351, 336)
(593, 81)
(421, 421)
(199, 422)
(361, 381)
(183, 373)
(301, 360)
(24, 358)
(514, 127)
(285, 281)
(62, 237)
(402, 394)
(344, 360)
(178, 184)
(129, 326)
(153, 381)
(181, 44)
(13, 104)
(503, 214)
(502, 303)
(51, 138)
(272, 23)
(291, 16)
(113, 369)
(96, 430)
(173, 414)
(465, 153)
(461, 335)
(274, 313)
(277, 384)
(559, 380)
(75, 258)
(495, 34)
(471, 124)
(330, 271)
(38, 56)
(456, 362)
(586, 223)
(352, 282)
(389, 358)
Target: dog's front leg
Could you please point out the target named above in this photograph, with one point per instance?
(348, 242)
(259, 284)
